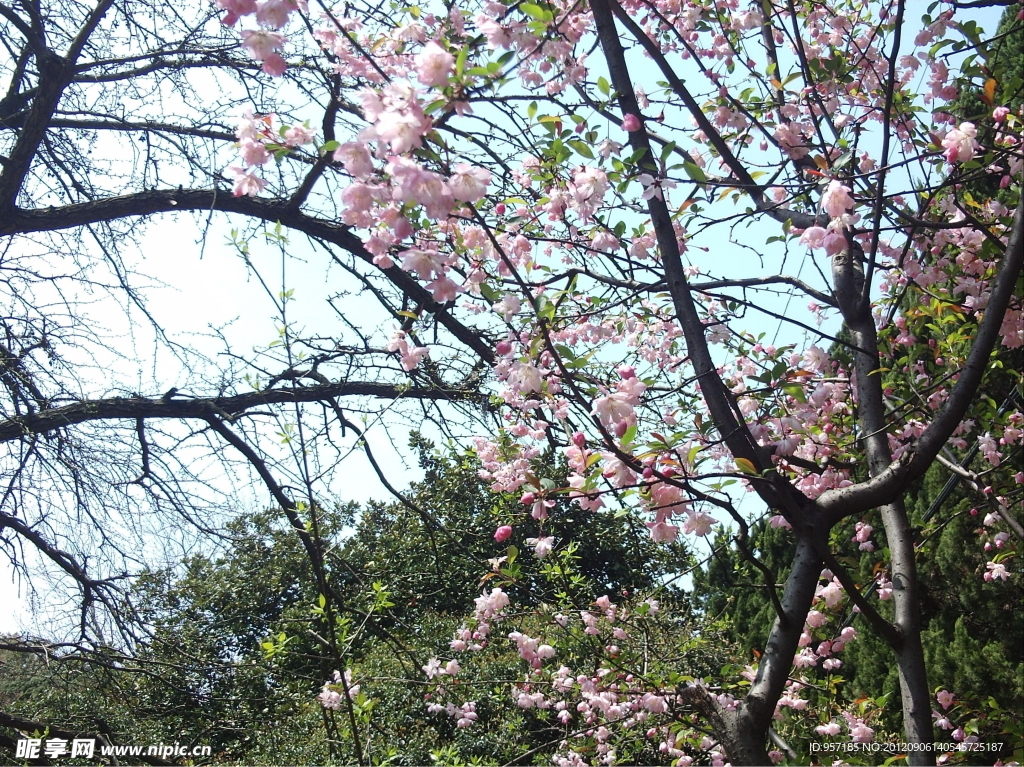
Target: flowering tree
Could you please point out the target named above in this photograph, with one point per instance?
(600, 215)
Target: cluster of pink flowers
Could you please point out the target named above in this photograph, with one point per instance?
(464, 715)
(332, 696)
(263, 44)
(258, 144)
(828, 600)
(410, 356)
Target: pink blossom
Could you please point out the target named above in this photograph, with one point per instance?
(525, 378)
(814, 237)
(945, 698)
(836, 200)
(613, 409)
(630, 123)
(358, 198)
(791, 140)
(860, 732)
(832, 728)
(746, 19)
(434, 65)
(253, 152)
(662, 532)
(444, 289)
(469, 183)
(401, 130)
(539, 510)
(274, 65)
(274, 13)
(433, 668)
(235, 10)
(246, 183)
(884, 588)
(411, 356)
(423, 263)
(541, 546)
(414, 184)
(261, 43)
(298, 135)
(996, 570)
(816, 359)
(1000, 113)
(698, 523)
(509, 306)
(503, 533)
(863, 536)
(960, 144)
(654, 187)
(355, 158)
(605, 241)
(832, 594)
(816, 619)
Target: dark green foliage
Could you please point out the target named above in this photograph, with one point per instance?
(974, 630)
(229, 653)
(421, 561)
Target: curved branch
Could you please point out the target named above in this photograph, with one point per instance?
(138, 407)
(888, 484)
(21, 221)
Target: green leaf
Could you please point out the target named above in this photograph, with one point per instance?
(746, 466)
(668, 149)
(630, 435)
(694, 171)
(534, 11)
(581, 148)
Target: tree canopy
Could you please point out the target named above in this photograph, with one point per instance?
(697, 295)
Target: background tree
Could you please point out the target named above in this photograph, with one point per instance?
(233, 650)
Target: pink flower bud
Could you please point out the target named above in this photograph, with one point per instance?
(630, 123)
(648, 472)
(579, 439)
(528, 498)
(499, 209)
(503, 348)
(620, 428)
(999, 114)
(503, 533)
(402, 228)
(626, 371)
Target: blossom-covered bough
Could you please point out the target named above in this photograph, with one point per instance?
(845, 159)
(603, 215)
